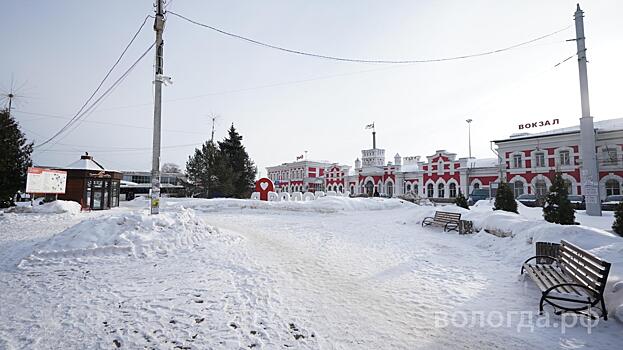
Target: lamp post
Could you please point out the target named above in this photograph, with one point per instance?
(469, 135)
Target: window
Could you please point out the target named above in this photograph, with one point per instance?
(476, 186)
(408, 187)
(517, 161)
(540, 188)
(390, 189)
(440, 191)
(539, 159)
(452, 190)
(613, 188)
(610, 156)
(430, 190)
(415, 189)
(518, 188)
(564, 158)
(569, 186)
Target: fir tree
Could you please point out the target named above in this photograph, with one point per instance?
(557, 207)
(617, 226)
(200, 168)
(236, 165)
(505, 199)
(461, 201)
(15, 153)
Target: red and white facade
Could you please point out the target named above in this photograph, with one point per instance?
(526, 161)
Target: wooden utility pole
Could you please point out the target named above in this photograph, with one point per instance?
(158, 80)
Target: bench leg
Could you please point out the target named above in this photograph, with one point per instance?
(603, 309)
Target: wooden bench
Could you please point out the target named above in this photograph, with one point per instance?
(449, 221)
(575, 277)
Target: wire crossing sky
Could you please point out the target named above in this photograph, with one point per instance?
(360, 60)
(303, 76)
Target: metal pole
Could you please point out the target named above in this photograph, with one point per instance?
(469, 135)
(155, 162)
(588, 171)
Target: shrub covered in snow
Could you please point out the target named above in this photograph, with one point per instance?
(461, 201)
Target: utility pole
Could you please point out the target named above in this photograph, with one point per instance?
(212, 137)
(158, 80)
(588, 170)
(469, 135)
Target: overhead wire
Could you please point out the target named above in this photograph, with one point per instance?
(360, 60)
(79, 113)
(104, 95)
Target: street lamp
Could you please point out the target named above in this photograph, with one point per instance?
(469, 135)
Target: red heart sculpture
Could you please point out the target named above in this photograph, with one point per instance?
(263, 186)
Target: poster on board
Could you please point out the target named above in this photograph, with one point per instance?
(41, 180)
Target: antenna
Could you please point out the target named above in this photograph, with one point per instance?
(7, 96)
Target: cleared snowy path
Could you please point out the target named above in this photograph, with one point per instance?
(355, 280)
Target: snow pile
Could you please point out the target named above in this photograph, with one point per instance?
(327, 204)
(56, 207)
(521, 232)
(134, 234)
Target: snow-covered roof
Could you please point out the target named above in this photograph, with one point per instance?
(482, 163)
(602, 125)
(86, 162)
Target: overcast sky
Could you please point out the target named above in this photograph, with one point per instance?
(284, 104)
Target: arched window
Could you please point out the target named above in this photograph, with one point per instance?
(613, 188)
(340, 189)
(390, 189)
(518, 188)
(540, 188)
(441, 190)
(569, 186)
(476, 186)
(452, 188)
(408, 187)
(415, 189)
(430, 189)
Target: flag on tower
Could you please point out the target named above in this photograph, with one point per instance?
(370, 126)
(299, 157)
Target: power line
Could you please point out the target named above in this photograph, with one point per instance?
(105, 94)
(359, 60)
(78, 114)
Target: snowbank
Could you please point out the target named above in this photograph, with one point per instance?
(528, 227)
(321, 205)
(56, 207)
(134, 234)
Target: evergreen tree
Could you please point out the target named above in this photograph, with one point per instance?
(505, 199)
(14, 159)
(238, 171)
(200, 169)
(557, 207)
(617, 226)
(461, 201)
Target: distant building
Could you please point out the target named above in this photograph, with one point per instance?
(526, 161)
(139, 182)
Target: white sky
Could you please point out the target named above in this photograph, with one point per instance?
(61, 50)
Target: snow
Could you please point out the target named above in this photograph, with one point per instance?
(334, 273)
(483, 163)
(55, 207)
(85, 164)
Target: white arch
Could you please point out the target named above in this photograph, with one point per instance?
(548, 182)
(573, 181)
(457, 188)
(519, 178)
(602, 184)
(430, 182)
(471, 185)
